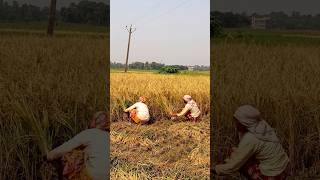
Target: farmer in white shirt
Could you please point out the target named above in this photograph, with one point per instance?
(259, 154)
(139, 111)
(96, 149)
(191, 110)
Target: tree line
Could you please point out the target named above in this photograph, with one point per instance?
(155, 66)
(279, 20)
(83, 12)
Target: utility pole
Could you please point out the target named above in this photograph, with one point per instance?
(52, 14)
(130, 30)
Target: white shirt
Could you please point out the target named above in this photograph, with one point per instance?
(142, 110)
(96, 142)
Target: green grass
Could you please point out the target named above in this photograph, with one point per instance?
(42, 26)
(273, 31)
(273, 37)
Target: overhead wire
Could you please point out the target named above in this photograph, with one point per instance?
(165, 13)
(160, 15)
(151, 9)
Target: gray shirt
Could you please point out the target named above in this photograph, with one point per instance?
(272, 157)
(96, 144)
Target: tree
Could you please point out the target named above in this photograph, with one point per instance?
(168, 70)
(88, 12)
(215, 27)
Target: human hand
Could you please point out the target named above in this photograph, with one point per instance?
(173, 114)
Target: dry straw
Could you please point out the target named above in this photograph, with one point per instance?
(282, 80)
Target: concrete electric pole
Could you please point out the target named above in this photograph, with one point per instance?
(130, 30)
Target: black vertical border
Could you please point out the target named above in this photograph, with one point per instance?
(108, 79)
(212, 95)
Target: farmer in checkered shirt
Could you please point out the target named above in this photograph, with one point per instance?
(191, 110)
(259, 155)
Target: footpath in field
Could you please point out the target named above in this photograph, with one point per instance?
(165, 149)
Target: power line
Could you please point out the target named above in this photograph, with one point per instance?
(148, 12)
(162, 14)
(166, 12)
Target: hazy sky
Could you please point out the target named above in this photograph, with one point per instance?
(266, 6)
(168, 31)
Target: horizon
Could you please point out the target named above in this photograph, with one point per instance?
(158, 63)
(253, 6)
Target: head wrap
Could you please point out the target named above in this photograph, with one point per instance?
(142, 99)
(187, 98)
(100, 117)
(250, 118)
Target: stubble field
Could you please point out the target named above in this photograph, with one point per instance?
(165, 149)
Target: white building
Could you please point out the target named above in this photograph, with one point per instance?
(260, 22)
(190, 68)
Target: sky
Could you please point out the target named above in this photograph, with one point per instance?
(167, 31)
(266, 6)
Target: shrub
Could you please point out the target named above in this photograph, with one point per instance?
(169, 70)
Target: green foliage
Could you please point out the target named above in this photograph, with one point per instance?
(271, 37)
(230, 20)
(279, 20)
(215, 27)
(88, 12)
(138, 65)
(84, 12)
(169, 70)
(127, 103)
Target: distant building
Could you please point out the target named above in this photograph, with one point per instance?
(260, 22)
(190, 68)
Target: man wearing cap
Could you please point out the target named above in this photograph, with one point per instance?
(139, 111)
(259, 154)
(190, 111)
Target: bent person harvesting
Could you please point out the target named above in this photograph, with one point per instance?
(139, 111)
(95, 149)
(259, 155)
(191, 110)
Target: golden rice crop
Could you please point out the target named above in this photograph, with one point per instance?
(49, 89)
(166, 149)
(163, 92)
(282, 80)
